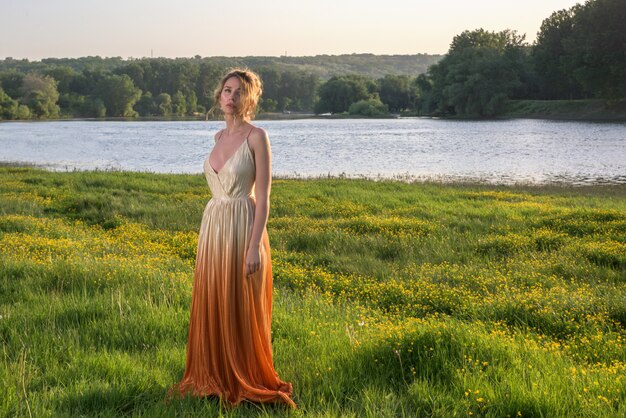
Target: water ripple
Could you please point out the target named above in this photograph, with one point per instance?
(509, 151)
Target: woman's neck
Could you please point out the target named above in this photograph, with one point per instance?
(234, 124)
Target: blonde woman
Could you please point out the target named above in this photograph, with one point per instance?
(229, 351)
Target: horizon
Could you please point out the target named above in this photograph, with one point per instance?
(221, 56)
(143, 29)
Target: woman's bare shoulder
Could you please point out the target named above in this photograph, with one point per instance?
(258, 137)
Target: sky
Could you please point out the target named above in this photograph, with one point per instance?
(37, 29)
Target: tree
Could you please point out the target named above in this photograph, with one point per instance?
(136, 71)
(87, 81)
(146, 105)
(63, 76)
(40, 94)
(191, 102)
(268, 105)
(294, 90)
(307, 92)
(271, 78)
(396, 92)
(164, 104)
(595, 51)
(8, 106)
(179, 105)
(481, 38)
(481, 71)
(93, 107)
(208, 76)
(424, 100)
(163, 75)
(338, 93)
(119, 95)
(11, 82)
(23, 112)
(72, 104)
(555, 81)
(297, 90)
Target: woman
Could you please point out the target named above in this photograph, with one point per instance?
(229, 350)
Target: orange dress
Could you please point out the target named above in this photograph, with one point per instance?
(229, 350)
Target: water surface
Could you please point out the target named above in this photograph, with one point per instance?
(504, 151)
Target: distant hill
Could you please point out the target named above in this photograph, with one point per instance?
(325, 66)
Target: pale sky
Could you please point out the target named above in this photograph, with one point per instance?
(36, 29)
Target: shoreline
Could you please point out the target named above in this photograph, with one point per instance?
(444, 181)
(535, 116)
(580, 110)
(592, 110)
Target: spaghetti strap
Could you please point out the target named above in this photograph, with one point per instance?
(248, 136)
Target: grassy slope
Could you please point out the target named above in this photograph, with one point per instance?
(390, 298)
(566, 109)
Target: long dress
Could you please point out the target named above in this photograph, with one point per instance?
(229, 350)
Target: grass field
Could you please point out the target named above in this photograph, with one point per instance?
(390, 299)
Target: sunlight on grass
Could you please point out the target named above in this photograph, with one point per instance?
(390, 299)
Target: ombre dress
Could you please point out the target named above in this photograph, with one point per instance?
(229, 349)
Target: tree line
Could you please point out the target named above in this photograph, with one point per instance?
(146, 87)
(579, 53)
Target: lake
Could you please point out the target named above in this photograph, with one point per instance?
(502, 151)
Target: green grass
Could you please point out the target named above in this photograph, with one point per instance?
(390, 299)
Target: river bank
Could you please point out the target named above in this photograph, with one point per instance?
(579, 110)
(575, 110)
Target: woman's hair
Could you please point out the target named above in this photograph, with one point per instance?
(249, 93)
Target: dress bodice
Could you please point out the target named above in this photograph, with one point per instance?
(236, 178)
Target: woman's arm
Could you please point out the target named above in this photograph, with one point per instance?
(260, 145)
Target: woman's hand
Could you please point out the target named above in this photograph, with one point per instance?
(253, 260)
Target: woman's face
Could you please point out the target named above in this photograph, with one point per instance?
(229, 99)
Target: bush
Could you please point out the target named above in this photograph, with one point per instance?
(369, 107)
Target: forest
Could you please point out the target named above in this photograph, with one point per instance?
(579, 53)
